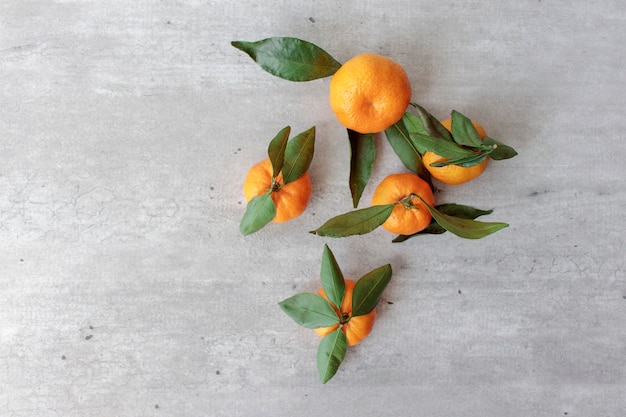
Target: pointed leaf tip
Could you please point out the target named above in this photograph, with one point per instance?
(369, 289)
(362, 155)
(330, 354)
(276, 150)
(299, 155)
(332, 278)
(357, 222)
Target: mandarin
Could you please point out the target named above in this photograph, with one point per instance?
(291, 199)
(409, 215)
(454, 174)
(369, 93)
(355, 328)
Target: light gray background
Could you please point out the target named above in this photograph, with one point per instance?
(126, 289)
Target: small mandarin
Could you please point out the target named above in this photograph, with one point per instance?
(454, 174)
(290, 199)
(357, 328)
(409, 216)
(369, 93)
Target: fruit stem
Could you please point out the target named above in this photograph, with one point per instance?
(408, 201)
(275, 185)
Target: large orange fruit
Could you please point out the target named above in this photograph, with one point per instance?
(369, 93)
(356, 328)
(454, 174)
(409, 215)
(290, 199)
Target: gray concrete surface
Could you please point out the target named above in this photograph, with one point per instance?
(126, 289)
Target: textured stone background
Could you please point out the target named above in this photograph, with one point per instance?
(126, 289)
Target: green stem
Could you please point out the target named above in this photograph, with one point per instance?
(408, 201)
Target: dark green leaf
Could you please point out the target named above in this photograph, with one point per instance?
(357, 222)
(330, 354)
(399, 140)
(466, 162)
(332, 278)
(368, 290)
(298, 155)
(432, 126)
(276, 150)
(465, 228)
(456, 210)
(441, 147)
(403, 146)
(290, 58)
(462, 211)
(432, 229)
(309, 310)
(463, 131)
(259, 211)
(501, 151)
(363, 152)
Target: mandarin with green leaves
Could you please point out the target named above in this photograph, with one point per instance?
(454, 174)
(290, 199)
(355, 328)
(408, 192)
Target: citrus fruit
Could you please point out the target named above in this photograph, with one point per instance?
(454, 174)
(369, 93)
(409, 215)
(356, 328)
(290, 199)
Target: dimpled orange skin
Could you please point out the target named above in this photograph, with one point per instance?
(405, 220)
(369, 93)
(454, 174)
(291, 199)
(359, 327)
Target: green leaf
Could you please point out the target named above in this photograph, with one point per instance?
(413, 124)
(501, 151)
(463, 131)
(462, 211)
(368, 289)
(466, 162)
(259, 211)
(357, 222)
(363, 153)
(432, 126)
(465, 228)
(298, 155)
(441, 147)
(402, 144)
(290, 58)
(276, 150)
(330, 354)
(332, 278)
(432, 229)
(309, 310)
(451, 209)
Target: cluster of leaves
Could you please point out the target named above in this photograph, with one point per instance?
(455, 218)
(313, 311)
(463, 146)
(291, 158)
(410, 138)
